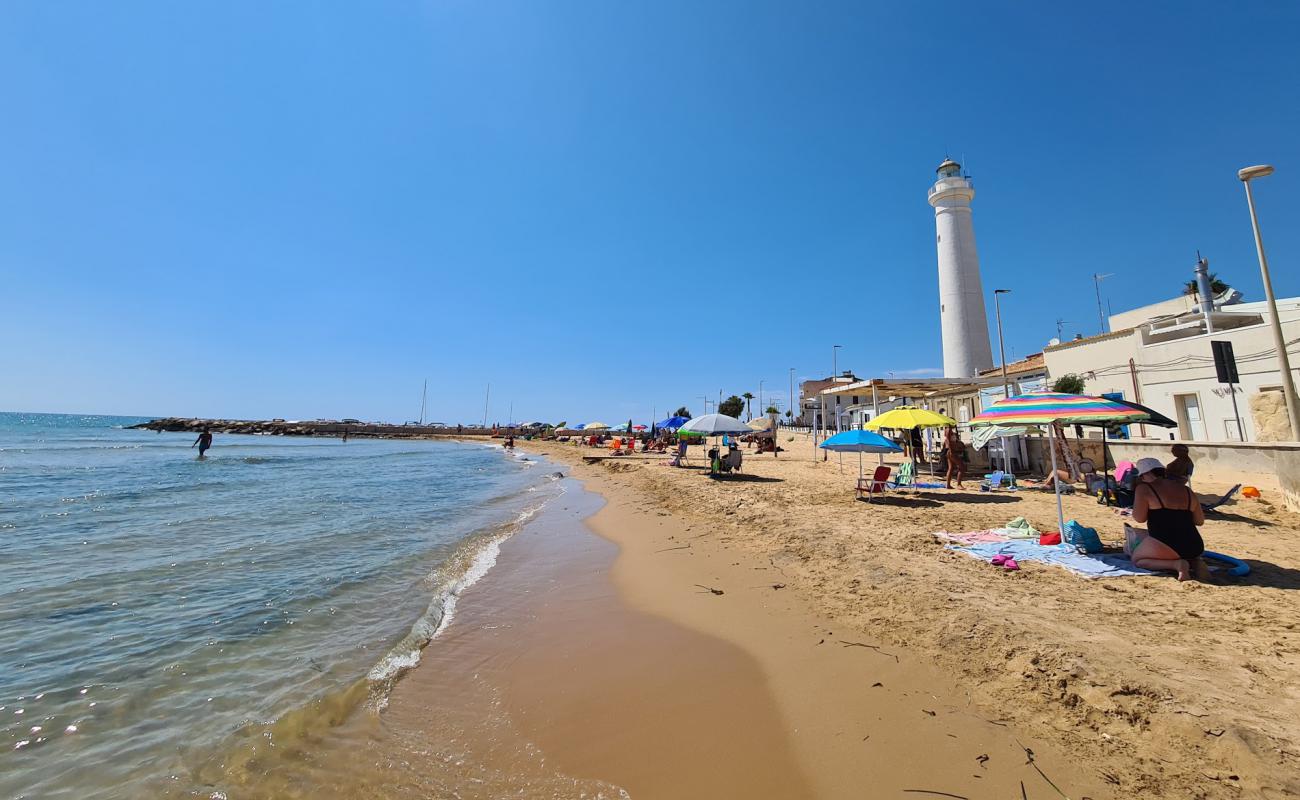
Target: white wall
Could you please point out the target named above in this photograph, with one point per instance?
(1181, 367)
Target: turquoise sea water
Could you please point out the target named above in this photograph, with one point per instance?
(153, 606)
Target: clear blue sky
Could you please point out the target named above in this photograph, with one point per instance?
(304, 209)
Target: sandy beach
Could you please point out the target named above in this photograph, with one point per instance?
(1150, 687)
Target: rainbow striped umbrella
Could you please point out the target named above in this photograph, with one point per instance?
(1046, 408)
(1068, 409)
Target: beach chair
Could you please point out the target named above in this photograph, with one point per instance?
(993, 481)
(680, 459)
(875, 484)
(906, 476)
(1221, 500)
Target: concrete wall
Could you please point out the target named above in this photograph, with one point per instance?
(1273, 467)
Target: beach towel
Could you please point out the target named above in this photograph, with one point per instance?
(1020, 528)
(974, 537)
(1099, 565)
(1121, 469)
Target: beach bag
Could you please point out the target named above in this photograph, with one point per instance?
(1086, 539)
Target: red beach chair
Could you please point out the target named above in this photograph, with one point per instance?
(873, 485)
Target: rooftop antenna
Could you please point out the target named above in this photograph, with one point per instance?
(1096, 280)
(1060, 326)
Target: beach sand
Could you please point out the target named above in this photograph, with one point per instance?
(1153, 688)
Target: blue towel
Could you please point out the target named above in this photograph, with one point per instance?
(1100, 565)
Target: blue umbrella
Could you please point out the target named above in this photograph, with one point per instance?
(672, 423)
(860, 442)
(580, 426)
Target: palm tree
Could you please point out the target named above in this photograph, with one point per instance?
(748, 397)
(682, 412)
(1217, 286)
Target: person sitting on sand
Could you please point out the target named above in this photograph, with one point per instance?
(1172, 514)
(204, 441)
(1180, 469)
(956, 452)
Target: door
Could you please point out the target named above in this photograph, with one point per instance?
(1190, 425)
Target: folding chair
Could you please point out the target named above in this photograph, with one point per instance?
(875, 484)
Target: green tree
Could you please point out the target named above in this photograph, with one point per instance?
(682, 412)
(748, 398)
(789, 414)
(772, 410)
(732, 406)
(1068, 384)
(1217, 286)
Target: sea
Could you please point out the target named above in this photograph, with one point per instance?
(156, 608)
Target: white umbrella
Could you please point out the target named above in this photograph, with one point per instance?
(716, 425)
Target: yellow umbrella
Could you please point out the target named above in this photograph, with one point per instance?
(908, 417)
(595, 426)
(761, 424)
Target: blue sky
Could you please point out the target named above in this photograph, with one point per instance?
(305, 209)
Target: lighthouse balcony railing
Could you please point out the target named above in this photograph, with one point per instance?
(948, 183)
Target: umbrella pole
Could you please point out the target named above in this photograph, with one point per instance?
(1056, 486)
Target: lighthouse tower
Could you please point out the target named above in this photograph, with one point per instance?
(965, 325)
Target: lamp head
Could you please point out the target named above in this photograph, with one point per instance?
(1260, 171)
(1001, 291)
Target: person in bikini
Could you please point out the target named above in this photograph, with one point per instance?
(956, 449)
(1172, 515)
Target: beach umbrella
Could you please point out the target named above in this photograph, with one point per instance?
(715, 425)
(907, 417)
(859, 442)
(638, 427)
(597, 426)
(580, 426)
(1045, 408)
(673, 423)
(761, 424)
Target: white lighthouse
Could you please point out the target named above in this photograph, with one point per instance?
(965, 325)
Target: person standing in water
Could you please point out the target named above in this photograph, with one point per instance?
(204, 441)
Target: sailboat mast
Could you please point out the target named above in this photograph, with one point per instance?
(424, 396)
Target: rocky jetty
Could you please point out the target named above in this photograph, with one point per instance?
(335, 428)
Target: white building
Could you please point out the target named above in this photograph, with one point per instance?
(1160, 356)
(962, 317)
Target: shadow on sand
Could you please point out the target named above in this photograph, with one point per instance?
(1228, 516)
(1266, 573)
(903, 501)
(958, 496)
(743, 478)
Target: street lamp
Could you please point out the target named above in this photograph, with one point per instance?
(791, 406)
(835, 351)
(1247, 174)
(1002, 350)
(760, 397)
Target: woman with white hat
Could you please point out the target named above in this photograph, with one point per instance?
(1172, 514)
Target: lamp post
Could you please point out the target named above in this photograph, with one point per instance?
(835, 351)
(1002, 350)
(792, 397)
(760, 398)
(1247, 174)
(1006, 385)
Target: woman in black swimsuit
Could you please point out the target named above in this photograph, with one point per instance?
(1172, 514)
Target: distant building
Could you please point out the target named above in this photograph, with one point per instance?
(810, 408)
(1159, 355)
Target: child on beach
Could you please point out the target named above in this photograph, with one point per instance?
(1180, 469)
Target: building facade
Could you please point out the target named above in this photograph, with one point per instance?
(1161, 356)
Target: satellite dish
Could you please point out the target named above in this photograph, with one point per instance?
(1053, 342)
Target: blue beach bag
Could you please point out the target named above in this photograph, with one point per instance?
(1086, 539)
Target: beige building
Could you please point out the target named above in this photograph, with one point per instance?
(1160, 356)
